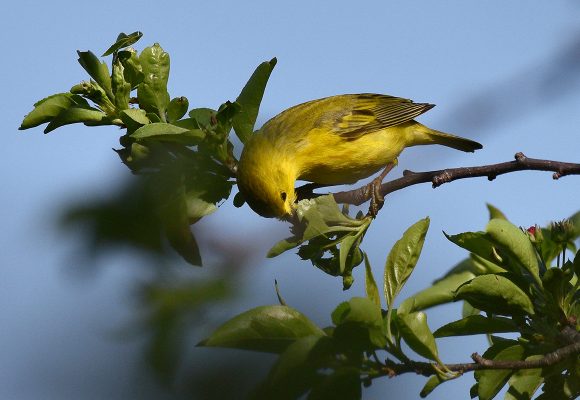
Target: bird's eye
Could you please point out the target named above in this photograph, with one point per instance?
(283, 196)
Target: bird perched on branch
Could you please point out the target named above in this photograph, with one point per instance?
(330, 141)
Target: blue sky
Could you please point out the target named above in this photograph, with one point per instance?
(498, 63)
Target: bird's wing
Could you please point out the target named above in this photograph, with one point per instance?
(373, 112)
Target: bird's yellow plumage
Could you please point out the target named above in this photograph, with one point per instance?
(335, 140)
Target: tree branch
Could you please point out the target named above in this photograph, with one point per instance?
(438, 178)
(428, 369)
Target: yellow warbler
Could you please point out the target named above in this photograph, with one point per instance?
(334, 140)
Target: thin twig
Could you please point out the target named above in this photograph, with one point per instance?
(427, 369)
(438, 178)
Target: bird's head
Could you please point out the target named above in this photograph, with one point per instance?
(266, 180)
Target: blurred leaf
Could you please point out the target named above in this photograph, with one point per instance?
(342, 384)
(495, 294)
(123, 40)
(97, 70)
(295, 371)
(152, 92)
(371, 288)
(250, 99)
(402, 259)
(177, 108)
(76, 114)
(524, 382)
(359, 324)
(266, 328)
(476, 324)
(416, 333)
(48, 108)
(168, 132)
(512, 239)
(495, 213)
(431, 384)
(491, 381)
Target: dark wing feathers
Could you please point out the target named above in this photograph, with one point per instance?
(370, 113)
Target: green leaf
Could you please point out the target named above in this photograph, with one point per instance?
(524, 382)
(477, 243)
(431, 384)
(441, 291)
(203, 116)
(76, 114)
(416, 333)
(295, 371)
(133, 119)
(371, 288)
(177, 108)
(512, 239)
(495, 294)
(250, 99)
(266, 328)
(491, 381)
(169, 132)
(97, 70)
(152, 92)
(48, 108)
(327, 237)
(132, 67)
(121, 88)
(476, 324)
(495, 213)
(402, 259)
(123, 40)
(342, 384)
(359, 325)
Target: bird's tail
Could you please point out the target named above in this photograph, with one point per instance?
(424, 135)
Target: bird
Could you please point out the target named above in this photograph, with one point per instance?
(330, 141)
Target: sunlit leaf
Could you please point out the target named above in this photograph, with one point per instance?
(495, 213)
(416, 333)
(152, 92)
(402, 259)
(48, 108)
(168, 132)
(76, 114)
(123, 40)
(97, 70)
(250, 99)
(177, 108)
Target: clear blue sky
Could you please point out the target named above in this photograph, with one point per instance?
(495, 69)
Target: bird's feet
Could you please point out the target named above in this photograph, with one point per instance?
(374, 187)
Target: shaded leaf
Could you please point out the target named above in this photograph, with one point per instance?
(250, 99)
(169, 132)
(371, 288)
(133, 119)
(342, 384)
(123, 40)
(133, 71)
(359, 325)
(266, 328)
(491, 381)
(416, 333)
(402, 259)
(495, 294)
(431, 384)
(477, 243)
(177, 108)
(477, 324)
(525, 382)
(121, 88)
(76, 114)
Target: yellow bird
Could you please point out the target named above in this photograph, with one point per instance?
(330, 141)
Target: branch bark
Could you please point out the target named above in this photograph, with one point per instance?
(439, 177)
(428, 369)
